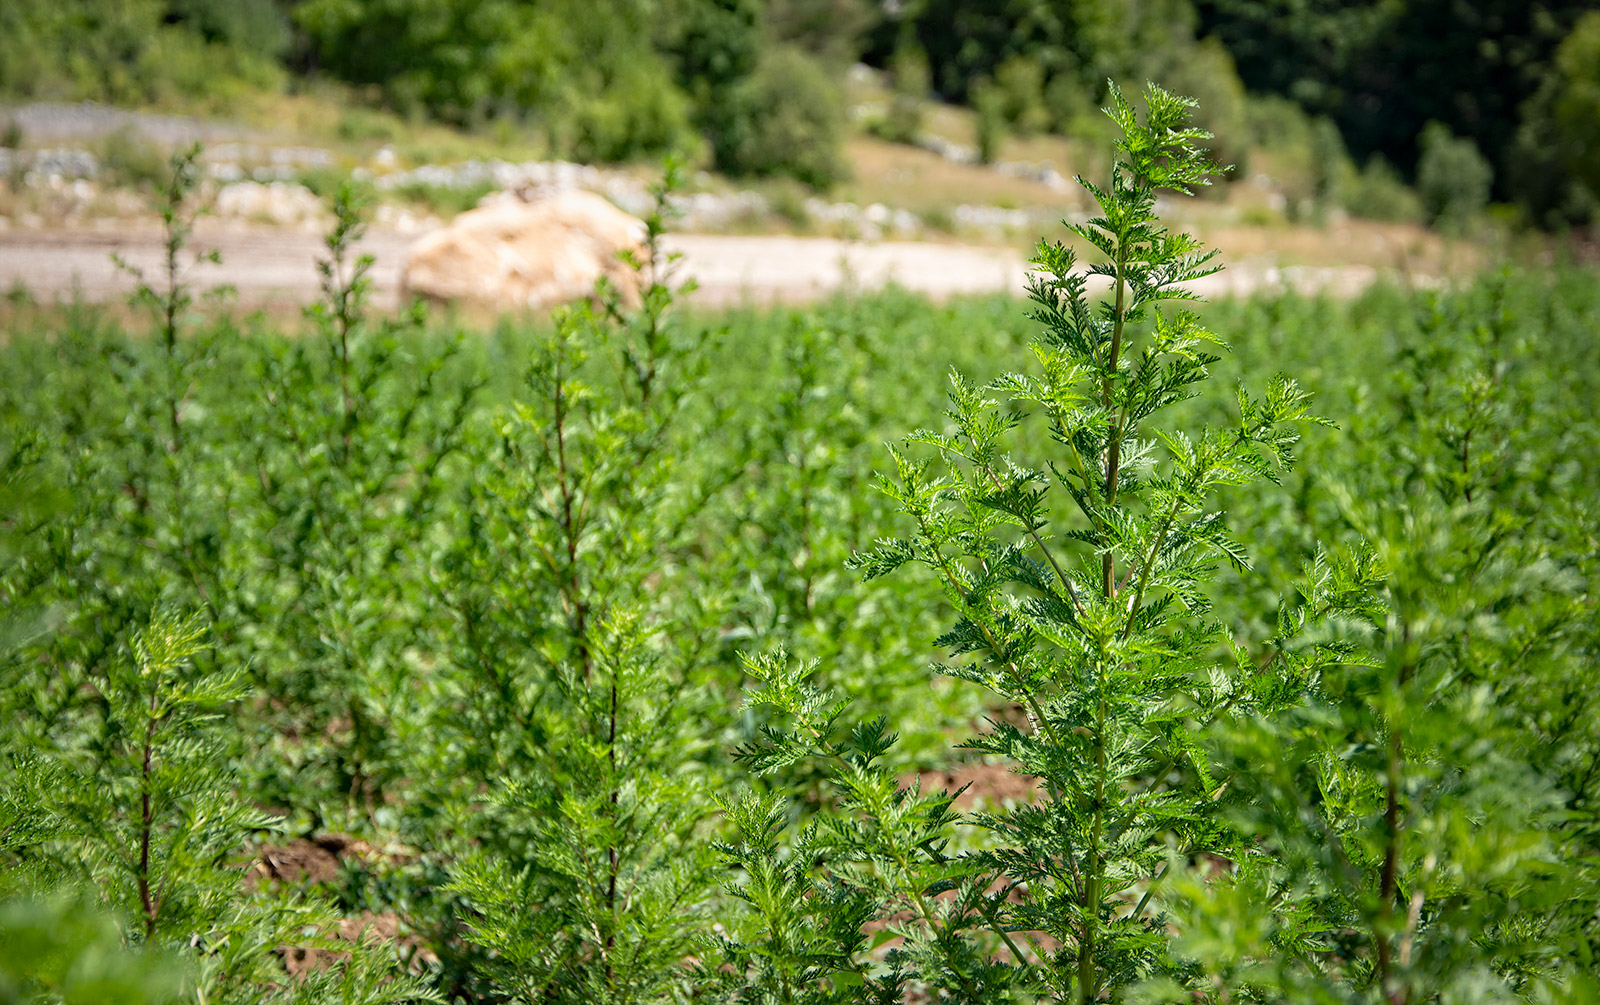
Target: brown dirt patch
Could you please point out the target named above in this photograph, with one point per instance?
(991, 784)
(367, 928)
(313, 860)
(320, 859)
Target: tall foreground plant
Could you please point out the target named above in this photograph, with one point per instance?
(574, 697)
(1077, 581)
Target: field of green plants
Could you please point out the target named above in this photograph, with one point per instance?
(640, 656)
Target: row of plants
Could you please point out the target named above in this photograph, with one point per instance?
(603, 645)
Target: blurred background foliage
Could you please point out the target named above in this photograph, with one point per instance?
(621, 80)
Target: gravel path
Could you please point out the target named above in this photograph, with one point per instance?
(274, 266)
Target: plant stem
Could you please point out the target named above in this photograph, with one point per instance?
(1149, 563)
(146, 819)
(1088, 977)
(1114, 444)
(1388, 880)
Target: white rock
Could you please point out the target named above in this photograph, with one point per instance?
(527, 255)
(273, 202)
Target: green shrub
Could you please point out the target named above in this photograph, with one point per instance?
(588, 75)
(1330, 165)
(631, 113)
(1020, 83)
(127, 52)
(989, 104)
(445, 200)
(1378, 193)
(783, 120)
(128, 158)
(1073, 111)
(910, 78)
(1577, 104)
(1452, 178)
(1551, 162)
(364, 124)
(833, 31)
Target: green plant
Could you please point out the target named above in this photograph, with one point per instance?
(911, 80)
(1452, 178)
(1420, 819)
(939, 219)
(575, 704)
(127, 52)
(152, 822)
(1550, 164)
(1206, 71)
(1577, 101)
(1020, 81)
(128, 158)
(1094, 631)
(446, 200)
(364, 125)
(1073, 111)
(783, 120)
(1377, 193)
(1330, 167)
(255, 26)
(70, 951)
(173, 299)
(367, 515)
(351, 468)
(989, 103)
(141, 807)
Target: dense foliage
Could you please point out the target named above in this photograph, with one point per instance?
(1383, 70)
(551, 630)
(754, 85)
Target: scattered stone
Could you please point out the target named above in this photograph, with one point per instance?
(43, 167)
(956, 153)
(992, 218)
(403, 220)
(277, 202)
(1046, 174)
(709, 210)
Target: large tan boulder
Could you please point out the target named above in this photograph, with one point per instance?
(527, 253)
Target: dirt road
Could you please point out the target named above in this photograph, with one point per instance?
(274, 266)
